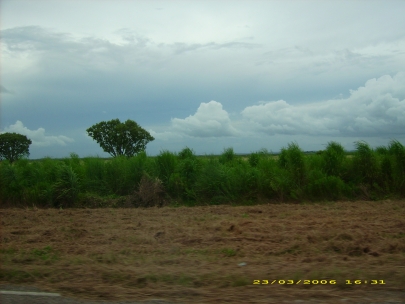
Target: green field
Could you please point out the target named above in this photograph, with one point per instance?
(186, 179)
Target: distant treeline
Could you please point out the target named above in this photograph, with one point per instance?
(184, 178)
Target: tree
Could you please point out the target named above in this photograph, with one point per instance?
(13, 146)
(118, 138)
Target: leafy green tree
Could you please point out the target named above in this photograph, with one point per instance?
(118, 138)
(14, 146)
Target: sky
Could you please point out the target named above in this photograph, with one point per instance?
(203, 74)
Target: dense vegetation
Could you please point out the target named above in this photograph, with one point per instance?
(185, 178)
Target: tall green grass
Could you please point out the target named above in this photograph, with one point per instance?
(183, 178)
(396, 156)
(293, 176)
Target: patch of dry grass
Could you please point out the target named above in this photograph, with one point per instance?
(183, 254)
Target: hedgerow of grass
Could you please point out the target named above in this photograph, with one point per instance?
(166, 163)
(333, 158)
(11, 183)
(211, 184)
(182, 180)
(266, 169)
(67, 186)
(95, 176)
(365, 164)
(291, 177)
(397, 152)
(189, 179)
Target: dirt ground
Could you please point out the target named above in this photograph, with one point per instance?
(218, 254)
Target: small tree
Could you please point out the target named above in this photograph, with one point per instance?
(118, 138)
(13, 146)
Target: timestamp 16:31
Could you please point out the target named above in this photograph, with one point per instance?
(316, 282)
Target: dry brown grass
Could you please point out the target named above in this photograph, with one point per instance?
(192, 255)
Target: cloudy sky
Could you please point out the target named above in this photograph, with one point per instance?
(203, 74)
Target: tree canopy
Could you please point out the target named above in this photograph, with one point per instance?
(14, 146)
(118, 138)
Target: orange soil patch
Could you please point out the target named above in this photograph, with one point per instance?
(209, 254)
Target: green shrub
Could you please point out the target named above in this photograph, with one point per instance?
(386, 175)
(315, 161)
(266, 168)
(186, 153)
(325, 187)
(243, 182)
(397, 150)
(95, 176)
(282, 183)
(254, 159)
(381, 150)
(227, 156)
(292, 160)
(137, 166)
(333, 158)
(182, 181)
(365, 164)
(11, 184)
(75, 162)
(49, 169)
(118, 176)
(67, 186)
(166, 163)
(212, 183)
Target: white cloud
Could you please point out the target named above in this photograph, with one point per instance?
(376, 109)
(210, 120)
(38, 136)
(165, 135)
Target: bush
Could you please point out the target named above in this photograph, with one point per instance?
(243, 182)
(117, 179)
(323, 187)
(11, 184)
(67, 187)
(381, 150)
(292, 160)
(333, 158)
(166, 163)
(386, 175)
(212, 183)
(365, 164)
(182, 181)
(254, 159)
(95, 176)
(227, 156)
(266, 168)
(397, 151)
(186, 153)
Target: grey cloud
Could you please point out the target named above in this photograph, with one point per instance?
(183, 47)
(133, 37)
(28, 38)
(63, 46)
(3, 90)
(35, 38)
(92, 53)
